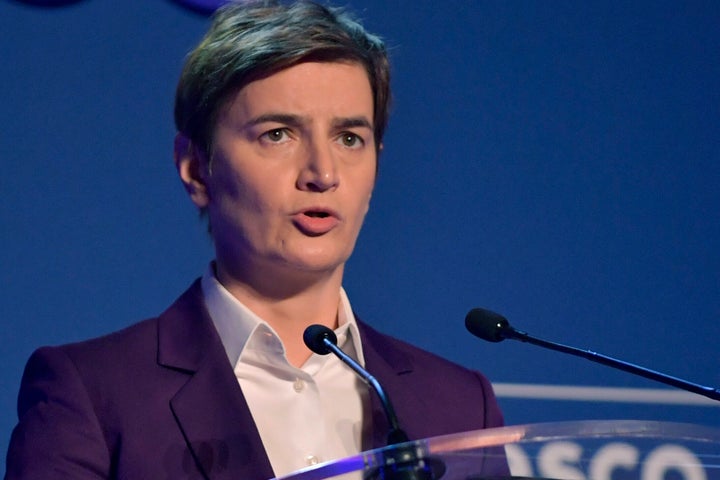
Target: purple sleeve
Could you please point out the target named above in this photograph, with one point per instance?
(58, 434)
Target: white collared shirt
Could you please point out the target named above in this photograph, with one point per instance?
(305, 415)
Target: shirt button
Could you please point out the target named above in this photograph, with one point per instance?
(311, 460)
(299, 386)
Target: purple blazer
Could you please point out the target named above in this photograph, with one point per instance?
(159, 400)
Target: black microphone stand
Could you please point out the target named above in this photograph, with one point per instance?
(493, 327)
(619, 364)
(401, 460)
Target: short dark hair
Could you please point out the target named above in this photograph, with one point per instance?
(252, 40)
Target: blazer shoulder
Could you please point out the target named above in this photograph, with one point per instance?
(128, 340)
(140, 339)
(405, 356)
(123, 361)
(461, 398)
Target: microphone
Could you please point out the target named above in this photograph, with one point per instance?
(493, 327)
(401, 463)
(321, 340)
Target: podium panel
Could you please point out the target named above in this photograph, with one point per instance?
(587, 450)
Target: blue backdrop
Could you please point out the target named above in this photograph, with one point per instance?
(558, 162)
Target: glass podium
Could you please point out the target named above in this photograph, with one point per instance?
(585, 450)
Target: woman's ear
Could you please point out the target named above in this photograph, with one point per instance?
(189, 162)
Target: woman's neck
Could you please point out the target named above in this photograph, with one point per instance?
(289, 305)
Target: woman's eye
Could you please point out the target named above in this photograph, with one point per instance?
(351, 140)
(276, 135)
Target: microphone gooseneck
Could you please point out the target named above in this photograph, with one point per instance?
(493, 327)
(402, 462)
(322, 340)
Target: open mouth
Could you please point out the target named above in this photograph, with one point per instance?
(316, 222)
(317, 214)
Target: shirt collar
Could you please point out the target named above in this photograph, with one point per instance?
(237, 325)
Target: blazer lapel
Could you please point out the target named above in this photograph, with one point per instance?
(386, 363)
(210, 408)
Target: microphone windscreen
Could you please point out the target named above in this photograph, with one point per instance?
(486, 324)
(314, 335)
